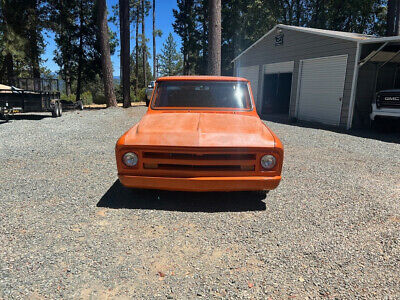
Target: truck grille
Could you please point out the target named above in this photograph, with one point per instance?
(198, 162)
(388, 99)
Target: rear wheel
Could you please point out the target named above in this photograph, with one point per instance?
(54, 112)
(4, 117)
(60, 110)
(80, 105)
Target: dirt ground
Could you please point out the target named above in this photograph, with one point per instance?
(68, 229)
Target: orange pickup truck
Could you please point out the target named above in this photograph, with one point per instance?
(200, 133)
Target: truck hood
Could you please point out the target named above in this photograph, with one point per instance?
(199, 130)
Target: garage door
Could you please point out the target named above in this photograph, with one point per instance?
(321, 89)
(250, 73)
(283, 67)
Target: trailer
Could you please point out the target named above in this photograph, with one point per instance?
(30, 95)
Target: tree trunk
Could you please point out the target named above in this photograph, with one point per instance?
(204, 42)
(154, 40)
(214, 38)
(67, 85)
(105, 54)
(34, 40)
(144, 46)
(390, 19)
(397, 18)
(125, 51)
(9, 62)
(318, 19)
(137, 52)
(185, 62)
(298, 12)
(80, 54)
(66, 80)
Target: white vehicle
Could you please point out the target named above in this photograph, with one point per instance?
(149, 92)
(386, 105)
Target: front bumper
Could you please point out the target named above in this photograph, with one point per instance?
(384, 112)
(202, 184)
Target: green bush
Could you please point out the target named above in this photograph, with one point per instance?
(71, 97)
(87, 98)
(142, 95)
(99, 99)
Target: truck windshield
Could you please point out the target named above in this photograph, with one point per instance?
(202, 94)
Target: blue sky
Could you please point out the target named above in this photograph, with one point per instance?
(164, 20)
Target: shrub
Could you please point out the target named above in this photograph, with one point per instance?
(142, 95)
(71, 97)
(99, 99)
(87, 98)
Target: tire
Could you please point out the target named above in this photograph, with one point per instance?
(80, 105)
(60, 109)
(54, 112)
(4, 117)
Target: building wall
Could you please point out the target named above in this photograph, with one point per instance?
(297, 46)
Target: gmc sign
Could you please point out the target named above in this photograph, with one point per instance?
(388, 98)
(392, 98)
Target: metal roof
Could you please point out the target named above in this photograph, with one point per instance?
(332, 33)
(354, 37)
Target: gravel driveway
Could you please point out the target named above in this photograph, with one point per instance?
(69, 230)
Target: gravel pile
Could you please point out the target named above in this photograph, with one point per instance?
(69, 230)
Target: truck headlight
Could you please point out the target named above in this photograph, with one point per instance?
(268, 162)
(130, 159)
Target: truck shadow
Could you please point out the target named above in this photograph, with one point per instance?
(120, 197)
(29, 117)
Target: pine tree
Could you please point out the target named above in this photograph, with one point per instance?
(78, 49)
(107, 70)
(170, 62)
(201, 35)
(185, 26)
(21, 39)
